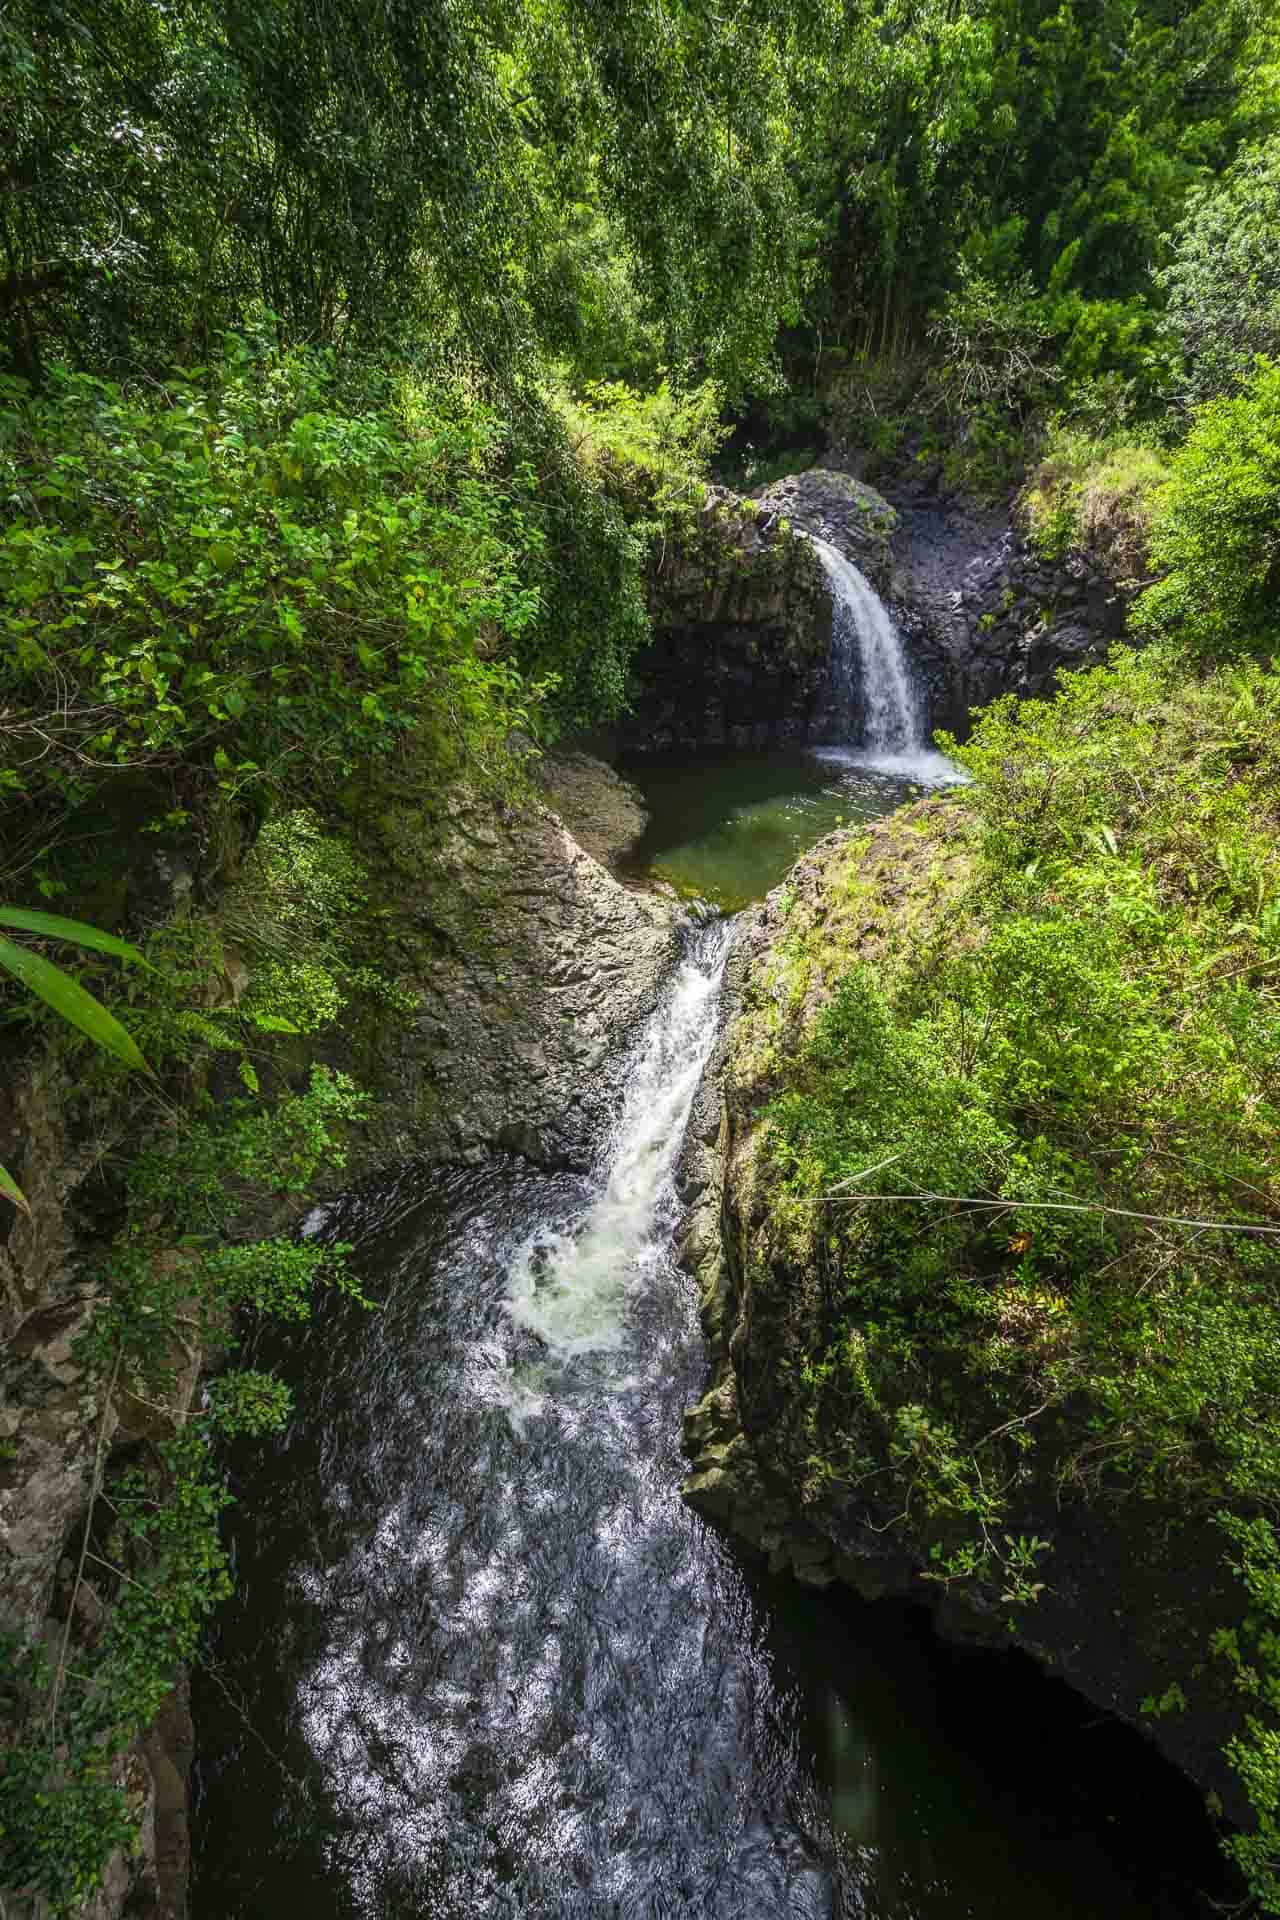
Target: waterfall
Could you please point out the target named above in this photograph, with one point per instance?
(570, 1285)
(867, 653)
(869, 669)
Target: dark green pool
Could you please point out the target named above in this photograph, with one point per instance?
(726, 826)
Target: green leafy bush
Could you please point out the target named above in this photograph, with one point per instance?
(1215, 534)
(259, 579)
(1222, 286)
(655, 447)
(1047, 1125)
(252, 581)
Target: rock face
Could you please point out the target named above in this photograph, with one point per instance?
(533, 970)
(604, 813)
(742, 614)
(741, 647)
(741, 653)
(1135, 1590)
(983, 613)
(845, 512)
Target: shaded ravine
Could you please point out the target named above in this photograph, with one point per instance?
(482, 1660)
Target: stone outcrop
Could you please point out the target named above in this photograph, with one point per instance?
(740, 655)
(846, 513)
(604, 813)
(984, 613)
(532, 966)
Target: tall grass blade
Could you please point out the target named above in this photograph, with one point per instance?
(12, 1191)
(68, 998)
(52, 926)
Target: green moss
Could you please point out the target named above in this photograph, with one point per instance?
(1096, 494)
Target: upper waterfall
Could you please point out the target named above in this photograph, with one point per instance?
(870, 671)
(866, 649)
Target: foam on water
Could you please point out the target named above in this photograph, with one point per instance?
(924, 766)
(570, 1287)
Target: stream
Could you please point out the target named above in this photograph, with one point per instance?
(492, 1665)
(482, 1660)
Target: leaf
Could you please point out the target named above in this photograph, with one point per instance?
(12, 1191)
(69, 999)
(52, 926)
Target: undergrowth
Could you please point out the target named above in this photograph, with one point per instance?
(232, 1137)
(1095, 494)
(1032, 1147)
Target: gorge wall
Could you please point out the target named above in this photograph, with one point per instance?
(741, 650)
(742, 617)
(521, 970)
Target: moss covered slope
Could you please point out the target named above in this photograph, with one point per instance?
(1001, 1288)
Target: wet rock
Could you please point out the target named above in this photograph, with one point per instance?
(604, 813)
(847, 513)
(740, 654)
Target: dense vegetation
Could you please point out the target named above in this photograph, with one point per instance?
(1030, 1140)
(353, 356)
(314, 476)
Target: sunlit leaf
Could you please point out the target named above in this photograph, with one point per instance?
(69, 999)
(52, 926)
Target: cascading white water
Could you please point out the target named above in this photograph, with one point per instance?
(570, 1288)
(869, 668)
(867, 652)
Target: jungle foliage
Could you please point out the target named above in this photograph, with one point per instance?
(1041, 1131)
(318, 460)
(371, 172)
(1026, 208)
(354, 355)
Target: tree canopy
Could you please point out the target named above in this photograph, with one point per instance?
(367, 171)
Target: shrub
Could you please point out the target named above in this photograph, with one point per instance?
(1072, 1071)
(655, 447)
(265, 574)
(1095, 494)
(1215, 534)
(994, 340)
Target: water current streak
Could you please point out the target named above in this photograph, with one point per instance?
(867, 659)
(534, 1683)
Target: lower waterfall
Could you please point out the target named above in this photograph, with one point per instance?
(483, 1663)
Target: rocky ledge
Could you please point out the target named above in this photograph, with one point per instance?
(741, 648)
